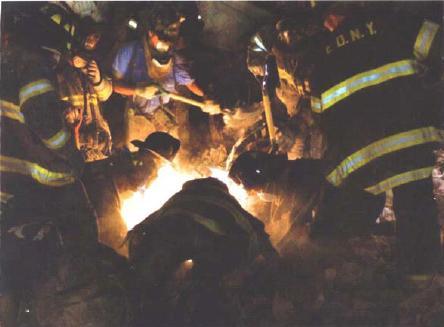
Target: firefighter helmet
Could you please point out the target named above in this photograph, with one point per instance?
(162, 143)
(50, 26)
(252, 169)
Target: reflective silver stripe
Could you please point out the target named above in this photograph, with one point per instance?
(316, 105)
(424, 39)
(33, 89)
(382, 147)
(398, 180)
(35, 171)
(58, 140)
(12, 111)
(367, 79)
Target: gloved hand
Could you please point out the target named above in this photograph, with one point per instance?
(79, 62)
(73, 116)
(93, 72)
(147, 92)
(211, 107)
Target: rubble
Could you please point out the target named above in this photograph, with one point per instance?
(356, 283)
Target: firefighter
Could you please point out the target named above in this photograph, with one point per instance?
(201, 260)
(298, 133)
(108, 181)
(380, 118)
(82, 85)
(45, 213)
(304, 205)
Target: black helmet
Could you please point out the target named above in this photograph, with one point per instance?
(162, 143)
(252, 169)
(51, 25)
(293, 33)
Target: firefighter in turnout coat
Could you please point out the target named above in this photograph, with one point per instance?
(108, 181)
(45, 213)
(201, 260)
(380, 118)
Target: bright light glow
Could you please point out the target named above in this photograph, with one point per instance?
(132, 24)
(169, 181)
(259, 43)
(235, 190)
(199, 17)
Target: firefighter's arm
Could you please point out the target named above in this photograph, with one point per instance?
(43, 112)
(147, 92)
(103, 86)
(193, 87)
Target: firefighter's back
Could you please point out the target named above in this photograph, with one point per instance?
(190, 256)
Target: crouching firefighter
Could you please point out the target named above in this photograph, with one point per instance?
(201, 260)
(45, 212)
(303, 205)
(108, 181)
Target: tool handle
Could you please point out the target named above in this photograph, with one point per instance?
(183, 99)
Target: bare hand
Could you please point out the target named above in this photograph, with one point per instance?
(147, 92)
(211, 107)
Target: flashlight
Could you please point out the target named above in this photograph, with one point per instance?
(132, 23)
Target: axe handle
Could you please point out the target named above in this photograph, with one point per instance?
(269, 118)
(183, 99)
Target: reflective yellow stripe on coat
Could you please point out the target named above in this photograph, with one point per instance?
(12, 111)
(58, 140)
(366, 79)
(78, 100)
(398, 180)
(425, 39)
(33, 89)
(382, 147)
(35, 171)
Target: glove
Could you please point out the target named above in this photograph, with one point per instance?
(79, 62)
(212, 108)
(93, 72)
(147, 92)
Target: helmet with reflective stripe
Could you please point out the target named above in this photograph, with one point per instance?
(50, 26)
